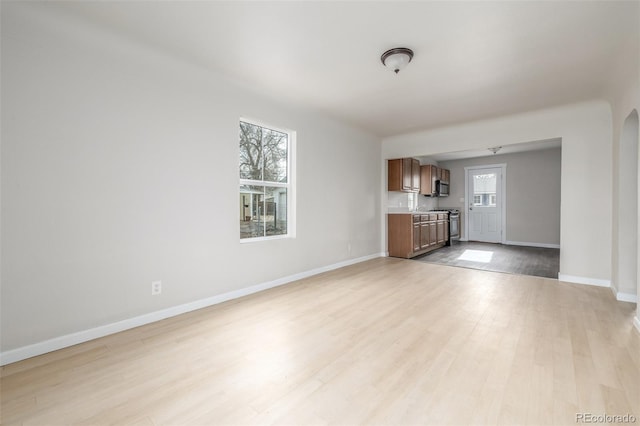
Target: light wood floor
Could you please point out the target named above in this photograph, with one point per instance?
(388, 341)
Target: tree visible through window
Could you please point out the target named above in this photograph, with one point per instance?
(264, 181)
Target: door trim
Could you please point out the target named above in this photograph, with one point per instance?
(503, 209)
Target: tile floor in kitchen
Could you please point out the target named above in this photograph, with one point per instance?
(535, 261)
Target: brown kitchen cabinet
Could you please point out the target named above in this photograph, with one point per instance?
(403, 175)
(433, 239)
(444, 175)
(410, 235)
(425, 236)
(415, 175)
(428, 177)
(440, 233)
(417, 240)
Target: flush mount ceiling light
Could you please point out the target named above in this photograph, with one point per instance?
(495, 149)
(397, 58)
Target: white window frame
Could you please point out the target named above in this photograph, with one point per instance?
(289, 185)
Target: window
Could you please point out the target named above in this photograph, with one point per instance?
(265, 181)
(484, 190)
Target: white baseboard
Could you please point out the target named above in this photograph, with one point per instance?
(61, 342)
(626, 297)
(623, 297)
(543, 245)
(614, 290)
(584, 280)
(636, 322)
(524, 244)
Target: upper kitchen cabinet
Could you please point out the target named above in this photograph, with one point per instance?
(428, 178)
(444, 175)
(404, 175)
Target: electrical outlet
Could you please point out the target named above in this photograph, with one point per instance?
(156, 288)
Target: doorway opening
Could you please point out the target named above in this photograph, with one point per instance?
(516, 219)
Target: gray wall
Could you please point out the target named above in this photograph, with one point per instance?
(533, 193)
(120, 167)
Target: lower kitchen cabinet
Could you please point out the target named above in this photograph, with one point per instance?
(410, 234)
(417, 240)
(442, 232)
(424, 236)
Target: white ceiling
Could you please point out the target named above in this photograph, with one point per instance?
(504, 149)
(473, 60)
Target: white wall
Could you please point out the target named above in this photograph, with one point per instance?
(624, 95)
(119, 167)
(625, 224)
(533, 193)
(585, 129)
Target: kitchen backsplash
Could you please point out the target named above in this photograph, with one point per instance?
(403, 201)
(427, 203)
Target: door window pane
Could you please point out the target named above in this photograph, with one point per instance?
(484, 189)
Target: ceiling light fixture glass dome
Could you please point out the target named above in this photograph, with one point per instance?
(397, 58)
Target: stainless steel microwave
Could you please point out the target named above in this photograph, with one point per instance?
(442, 188)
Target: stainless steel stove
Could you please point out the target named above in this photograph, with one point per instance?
(454, 225)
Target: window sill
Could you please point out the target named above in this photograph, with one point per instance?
(271, 238)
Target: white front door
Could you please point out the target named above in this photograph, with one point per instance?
(484, 205)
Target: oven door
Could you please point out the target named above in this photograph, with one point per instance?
(454, 226)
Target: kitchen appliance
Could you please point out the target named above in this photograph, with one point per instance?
(454, 226)
(442, 188)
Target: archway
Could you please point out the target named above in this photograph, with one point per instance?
(628, 160)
